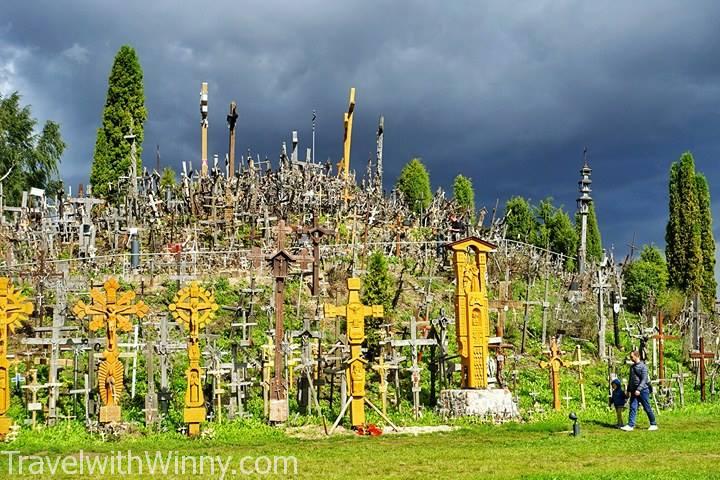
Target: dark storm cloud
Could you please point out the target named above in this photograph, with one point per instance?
(508, 95)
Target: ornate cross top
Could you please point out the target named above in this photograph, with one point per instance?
(193, 307)
(281, 230)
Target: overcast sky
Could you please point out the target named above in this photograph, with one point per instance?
(508, 93)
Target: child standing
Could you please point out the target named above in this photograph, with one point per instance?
(618, 399)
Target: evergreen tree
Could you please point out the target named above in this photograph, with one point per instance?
(414, 183)
(707, 242)
(377, 290)
(464, 195)
(594, 250)
(644, 278)
(167, 179)
(124, 110)
(520, 223)
(28, 159)
(683, 243)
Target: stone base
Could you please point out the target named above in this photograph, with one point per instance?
(495, 403)
(279, 410)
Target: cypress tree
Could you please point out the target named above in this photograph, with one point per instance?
(683, 243)
(377, 290)
(414, 183)
(124, 107)
(464, 194)
(707, 241)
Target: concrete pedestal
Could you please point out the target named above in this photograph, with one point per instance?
(495, 403)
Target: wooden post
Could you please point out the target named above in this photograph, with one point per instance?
(203, 128)
(232, 120)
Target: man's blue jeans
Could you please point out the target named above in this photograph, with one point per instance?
(643, 399)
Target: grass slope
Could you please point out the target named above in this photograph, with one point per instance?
(686, 446)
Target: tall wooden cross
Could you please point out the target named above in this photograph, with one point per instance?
(355, 313)
(113, 311)
(702, 355)
(14, 308)
(578, 363)
(660, 337)
(554, 363)
(280, 262)
(193, 307)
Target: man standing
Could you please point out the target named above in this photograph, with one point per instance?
(639, 392)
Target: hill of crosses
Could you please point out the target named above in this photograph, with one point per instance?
(288, 288)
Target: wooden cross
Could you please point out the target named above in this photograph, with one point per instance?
(355, 313)
(280, 262)
(113, 311)
(193, 307)
(702, 355)
(579, 363)
(502, 305)
(660, 337)
(382, 369)
(316, 234)
(14, 308)
(554, 363)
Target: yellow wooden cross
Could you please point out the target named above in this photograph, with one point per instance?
(579, 363)
(112, 310)
(355, 313)
(14, 308)
(193, 307)
(553, 364)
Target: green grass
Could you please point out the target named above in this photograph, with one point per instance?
(686, 446)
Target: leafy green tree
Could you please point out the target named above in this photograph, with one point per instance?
(707, 242)
(644, 278)
(464, 194)
(167, 179)
(28, 159)
(414, 183)
(594, 250)
(520, 223)
(124, 111)
(377, 289)
(683, 242)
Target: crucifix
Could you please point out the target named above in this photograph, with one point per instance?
(701, 355)
(355, 312)
(113, 311)
(414, 343)
(553, 365)
(280, 262)
(14, 308)
(579, 363)
(306, 385)
(316, 233)
(163, 348)
(193, 307)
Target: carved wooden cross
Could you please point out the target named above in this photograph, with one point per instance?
(355, 313)
(280, 262)
(702, 355)
(14, 308)
(554, 363)
(193, 307)
(113, 311)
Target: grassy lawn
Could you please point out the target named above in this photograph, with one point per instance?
(686, 446)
